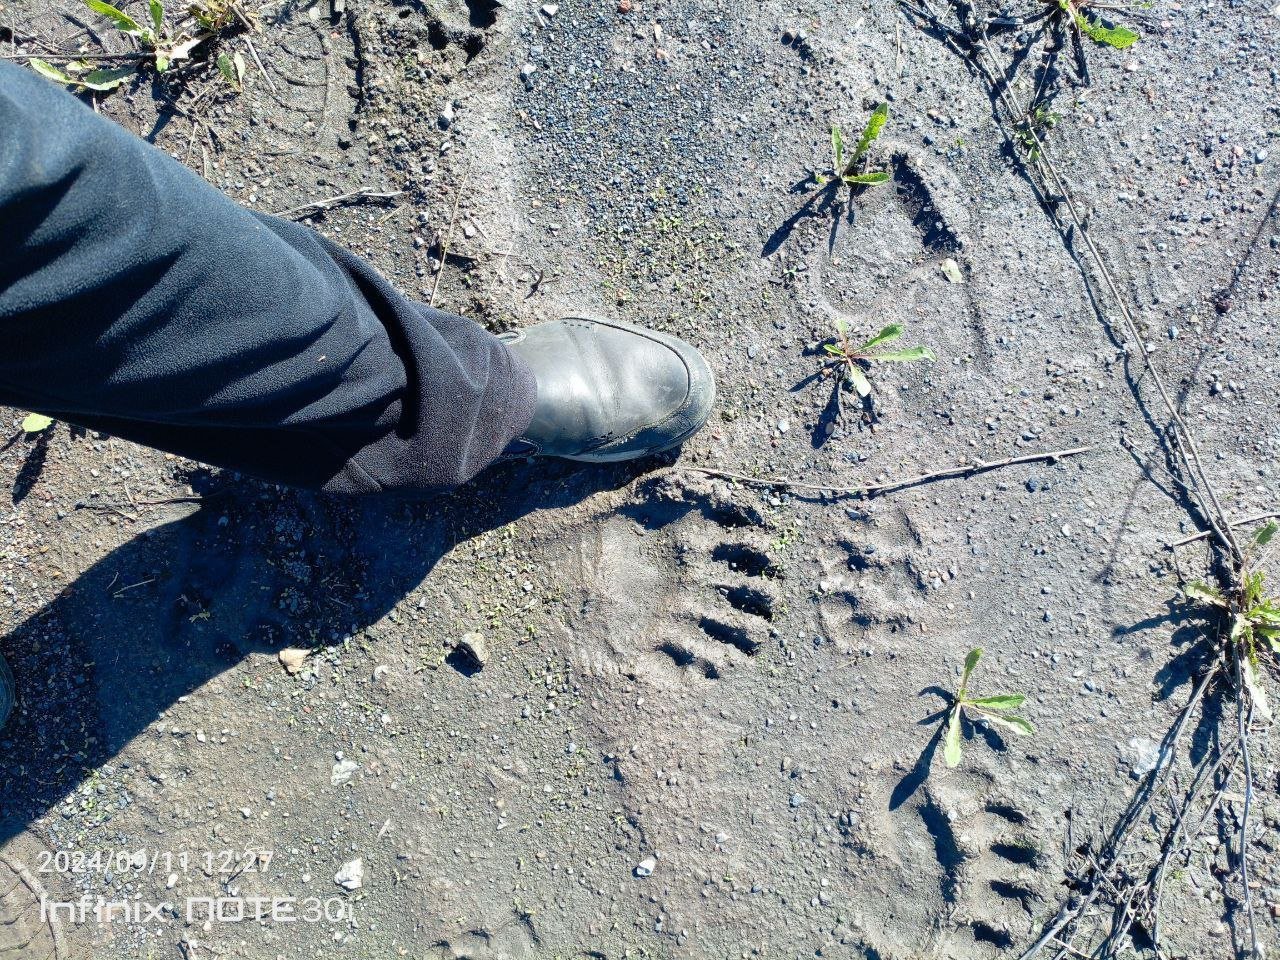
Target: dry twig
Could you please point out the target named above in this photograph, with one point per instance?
(889, 486)
(1246, 522)
(355, 196)
(448, 237)
(1134, 893)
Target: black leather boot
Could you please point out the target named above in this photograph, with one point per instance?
(610, 391)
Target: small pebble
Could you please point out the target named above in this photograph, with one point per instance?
(351, 875)
(342, 771)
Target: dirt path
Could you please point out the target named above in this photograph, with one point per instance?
(725, 687)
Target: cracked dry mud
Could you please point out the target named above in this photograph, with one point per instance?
(734, 683)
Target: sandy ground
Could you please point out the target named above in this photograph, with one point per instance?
(735, 689)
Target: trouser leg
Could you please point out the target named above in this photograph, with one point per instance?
(137, 299)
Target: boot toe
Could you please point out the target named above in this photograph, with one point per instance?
(610, 391)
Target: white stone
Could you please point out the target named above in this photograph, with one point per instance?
(351, 875)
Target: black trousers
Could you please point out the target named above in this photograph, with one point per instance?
(137, 299)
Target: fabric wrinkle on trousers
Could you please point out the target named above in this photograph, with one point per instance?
(137, 299)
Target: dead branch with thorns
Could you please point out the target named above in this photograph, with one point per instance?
(1117, 899)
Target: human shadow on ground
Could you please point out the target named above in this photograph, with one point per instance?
(251, 569)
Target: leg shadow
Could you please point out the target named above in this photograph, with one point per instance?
(253, 569)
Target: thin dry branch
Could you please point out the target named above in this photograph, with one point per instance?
(355, 196)
(875, 489)
(76, 56)
(253, 50)
(448, 237)
(1073, 911)
(1206, 774)
(976, 49)
(1247, 521)
(1244, 716)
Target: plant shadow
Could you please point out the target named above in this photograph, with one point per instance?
(919, 772)
(817, 204)
(32, 466)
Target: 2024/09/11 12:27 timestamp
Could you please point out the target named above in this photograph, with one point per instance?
(165, 862)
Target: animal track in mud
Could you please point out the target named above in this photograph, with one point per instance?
(745, 559)
(917, 198)
(758, 603)
(465, 26)
(318, 81)
(741, 571)
(975, 862)
(918, 221)
(885, 263)
(692, 598)
(866, 582)
(321, 74)
(992, 870)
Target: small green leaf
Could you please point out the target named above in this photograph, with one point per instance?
(951, 747)
(1240, 626)
(821, 179)
(834, 349)
(1000, 701)
(106, 79)
(1019, 725)
(1199, 590)
(1266, 533)
(115, 15)
(879, 117)
(970, 662)
(892, 332)
(1121, 38)
(865, 179)
(1265, 612)
(162, 63)
(225, 68)
(837, 148)
(905, 356)
(1253, 683)
(1272, 636)
(36, 422)
(49, 71)
(1253, 587)
(951, 270)
(157, 15)
(859, 380)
